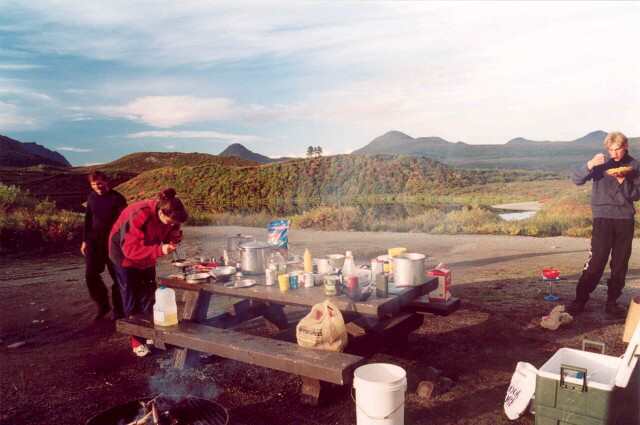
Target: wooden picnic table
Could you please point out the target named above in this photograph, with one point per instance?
(391, 316)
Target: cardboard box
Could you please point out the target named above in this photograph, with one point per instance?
(443, 292)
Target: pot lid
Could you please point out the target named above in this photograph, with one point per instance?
(629, 360)
(255, 245)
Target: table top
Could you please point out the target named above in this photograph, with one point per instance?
(373, 306)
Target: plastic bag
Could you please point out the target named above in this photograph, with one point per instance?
(322, 328)
(520, 391)
(278, 233)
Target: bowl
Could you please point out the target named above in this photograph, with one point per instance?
(222, 273)
(551, 273)
(197, 277)
(337, 260)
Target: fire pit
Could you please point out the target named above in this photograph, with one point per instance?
(164, 410)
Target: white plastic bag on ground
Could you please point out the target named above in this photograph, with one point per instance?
(322, 328)
(521, 389)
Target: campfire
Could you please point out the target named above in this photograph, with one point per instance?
(164, 410)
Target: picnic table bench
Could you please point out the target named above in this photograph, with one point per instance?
(387, 319)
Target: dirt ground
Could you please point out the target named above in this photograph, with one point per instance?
(70, 368)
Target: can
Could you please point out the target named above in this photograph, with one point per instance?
(293, 281)
(353, 288)
(331, 285)
(308, 280)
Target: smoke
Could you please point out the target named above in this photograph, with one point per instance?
(180, 383)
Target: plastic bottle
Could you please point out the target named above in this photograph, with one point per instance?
(281, 262)
(308, 261)
(165, 309)
(349, 266)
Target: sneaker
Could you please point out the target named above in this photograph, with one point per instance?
(613, 310)
(141, 350)
(576, 308)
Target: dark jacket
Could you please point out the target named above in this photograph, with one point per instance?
(609, 199)
(102, 212)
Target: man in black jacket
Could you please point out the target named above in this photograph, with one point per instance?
(612, 196)
(103, 208)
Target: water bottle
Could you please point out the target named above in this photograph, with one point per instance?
(349, 266)
(165, 309)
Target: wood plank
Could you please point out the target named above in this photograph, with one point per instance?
(307, 297)
(260, 351)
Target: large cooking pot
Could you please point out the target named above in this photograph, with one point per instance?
(254, 257)
(233, 245)
(408, 269)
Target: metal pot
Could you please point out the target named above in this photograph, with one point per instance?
(408, 269)
(233, 245)
(254, 257)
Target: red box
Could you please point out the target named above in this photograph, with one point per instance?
(443, 292)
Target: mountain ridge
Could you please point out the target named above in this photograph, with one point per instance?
(14, 153)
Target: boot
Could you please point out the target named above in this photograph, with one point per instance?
(575, 308)
(615, 311)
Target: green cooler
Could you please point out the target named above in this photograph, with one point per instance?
(583, 388)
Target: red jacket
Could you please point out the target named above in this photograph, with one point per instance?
(137, 236)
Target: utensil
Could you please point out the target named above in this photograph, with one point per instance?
(254, 257)
(223, 273)
(240, 283)
(233, 245)
(197, 277)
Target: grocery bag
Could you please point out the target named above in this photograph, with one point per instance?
(520, 391)
(322, 328)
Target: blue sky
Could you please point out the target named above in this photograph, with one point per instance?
(98, 80)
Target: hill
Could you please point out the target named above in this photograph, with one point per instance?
(342, 177)
(239, 151)
(518, 153)
(68, 186)
(145, 161)
(14, 153)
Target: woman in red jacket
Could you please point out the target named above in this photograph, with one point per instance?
(144, 231)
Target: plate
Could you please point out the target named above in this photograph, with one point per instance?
(242, 283)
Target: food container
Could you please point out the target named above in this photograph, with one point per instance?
(324, 265)
(331, 285)
(408, 269)
(233, 245)
(254, 257)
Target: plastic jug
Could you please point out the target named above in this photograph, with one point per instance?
(308, 261)
(165, 309)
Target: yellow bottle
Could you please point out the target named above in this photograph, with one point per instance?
(308, 261)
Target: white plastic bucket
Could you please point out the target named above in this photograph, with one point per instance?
(380, 389)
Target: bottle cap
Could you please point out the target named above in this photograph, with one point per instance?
(162, 287)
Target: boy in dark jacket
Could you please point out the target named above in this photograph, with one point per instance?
(103, 208)
(616, 186)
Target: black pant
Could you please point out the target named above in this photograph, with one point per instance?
(96, 258)
(610, 236)
(137, 287)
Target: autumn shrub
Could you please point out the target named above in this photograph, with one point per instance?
(328, 218)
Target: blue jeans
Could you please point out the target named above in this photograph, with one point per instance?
(137, 288)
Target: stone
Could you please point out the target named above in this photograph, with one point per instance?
(426, 389)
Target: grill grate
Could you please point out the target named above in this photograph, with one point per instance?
(182, 411)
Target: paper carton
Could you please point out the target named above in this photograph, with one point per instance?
(443, 292)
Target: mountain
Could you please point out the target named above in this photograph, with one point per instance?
(239, 151)
(516, 153)
(144, 161)
(14, 153)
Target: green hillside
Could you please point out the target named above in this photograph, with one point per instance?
(343, 177)
(145, 161)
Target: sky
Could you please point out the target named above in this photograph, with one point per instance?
(98, 80)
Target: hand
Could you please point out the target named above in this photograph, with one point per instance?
(598, 159)
(168, 248)
(83, 249)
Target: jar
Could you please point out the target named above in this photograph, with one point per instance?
(331, 285)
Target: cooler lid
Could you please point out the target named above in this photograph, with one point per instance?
(629, 360)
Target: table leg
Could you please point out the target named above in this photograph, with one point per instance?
(195, 309)
(310, 391)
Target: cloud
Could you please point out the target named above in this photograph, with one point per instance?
(206, 135)
(172, 111)
(17, 67)
(72, 149)
(11, 118)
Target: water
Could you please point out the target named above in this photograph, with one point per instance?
(515, 216)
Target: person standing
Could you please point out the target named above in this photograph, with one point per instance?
(103, 208)
(145, 231)
(612, 197)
